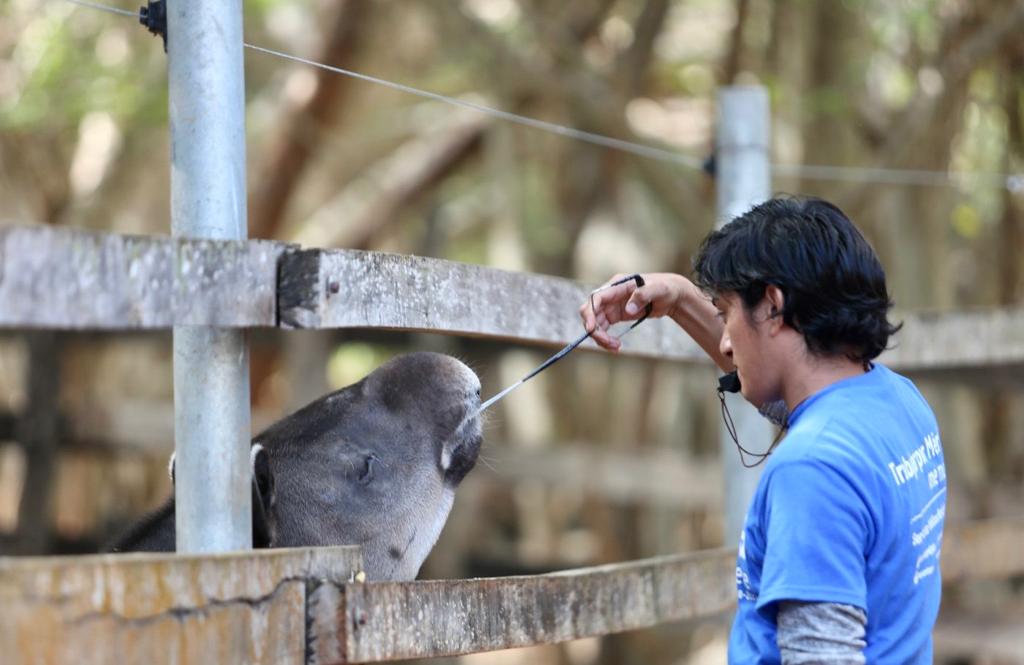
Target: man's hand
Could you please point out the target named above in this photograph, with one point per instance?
(626, 302)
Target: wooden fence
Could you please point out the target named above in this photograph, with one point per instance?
(308, 605)
(68, 279)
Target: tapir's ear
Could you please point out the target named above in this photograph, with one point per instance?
(261, 474)
(262, 496)
(262, 493)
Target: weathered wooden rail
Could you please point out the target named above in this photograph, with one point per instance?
(156, 608)
(68, 279)
(60, 278)
(377, 622)
(306, 605)
(986, 549)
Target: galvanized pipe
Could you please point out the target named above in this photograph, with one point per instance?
(208, 200)
(742, 178)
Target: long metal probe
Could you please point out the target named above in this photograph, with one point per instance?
(547, 363)
(572, 345)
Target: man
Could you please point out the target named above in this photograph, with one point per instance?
(839, 558)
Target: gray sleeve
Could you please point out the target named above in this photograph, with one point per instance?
(820, 633)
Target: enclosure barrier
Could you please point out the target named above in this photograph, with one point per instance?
(305, 606)
(147, 608)
(70, 279)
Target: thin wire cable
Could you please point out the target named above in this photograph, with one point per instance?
(893, 176)
(651, 152)
(104, 8)
(1013, 182)
(688, 161)
(920, 177)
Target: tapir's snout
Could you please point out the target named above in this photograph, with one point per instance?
(460, 451)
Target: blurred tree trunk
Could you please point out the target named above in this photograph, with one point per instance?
(919, 231)
(581, 173)
(297, 144)
(1010, 239)
(734, 56)
(37, 433)
(789, 63)
(1006, 464)
(838, 53)
(45, 172)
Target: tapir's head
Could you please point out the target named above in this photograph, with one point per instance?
(374, 464)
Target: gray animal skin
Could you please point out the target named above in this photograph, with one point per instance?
(374, 464)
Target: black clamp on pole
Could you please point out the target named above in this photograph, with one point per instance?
(710, 165)
(154, 17)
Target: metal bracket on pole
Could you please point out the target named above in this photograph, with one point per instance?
(154, 17)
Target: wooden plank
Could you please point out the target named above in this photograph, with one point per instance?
(991, 379)
(291, 606)
(377, 621)
(70, 279)
(971, 338)
(346, 288)
(993, 637)
(352, 289)
(984, 549)
(156, 608)
(656, 477)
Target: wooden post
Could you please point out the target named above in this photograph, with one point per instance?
(743, 178)
(211, 365)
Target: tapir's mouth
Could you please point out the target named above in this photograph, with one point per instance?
(460, 451)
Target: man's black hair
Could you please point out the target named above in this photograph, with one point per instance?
(833, 283)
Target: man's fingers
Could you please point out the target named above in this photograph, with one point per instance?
(606, 297)
(638, 301)
(605, 340)
(605, 307)
(587, 314)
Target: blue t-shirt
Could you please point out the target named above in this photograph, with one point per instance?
(850, 510)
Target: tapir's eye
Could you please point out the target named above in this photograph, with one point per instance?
(366, 474)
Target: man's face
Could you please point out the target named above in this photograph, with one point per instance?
(746, 342)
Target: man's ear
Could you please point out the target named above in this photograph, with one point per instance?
(776, 303)
(262, 496)
(170, 469)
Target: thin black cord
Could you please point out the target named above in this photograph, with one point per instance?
(730, 427)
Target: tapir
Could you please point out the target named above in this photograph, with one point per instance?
(374, 464)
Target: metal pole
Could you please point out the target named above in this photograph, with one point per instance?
(743, 178)
(211, 366)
